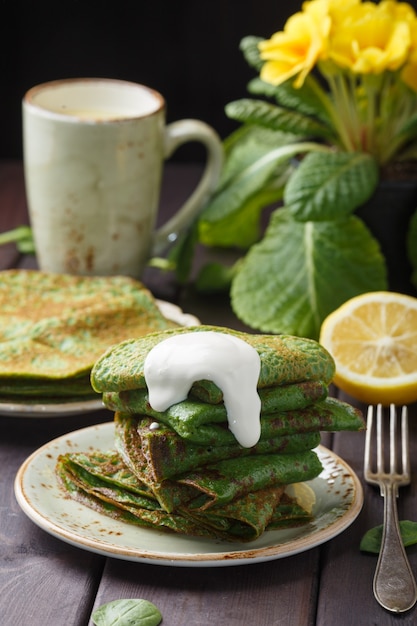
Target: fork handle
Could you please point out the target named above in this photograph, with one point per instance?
(394, 583)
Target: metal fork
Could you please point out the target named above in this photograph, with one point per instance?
(394, 585)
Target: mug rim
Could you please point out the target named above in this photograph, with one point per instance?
(29, 99)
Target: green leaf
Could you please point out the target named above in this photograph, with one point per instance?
(215, 278)
(127, 613)
(307, 98)
(259, 87)
(240, 227)
(371, 541)
(249, 47)
(409, 129)
(276, 118)
(247, 145)
(161, 263)
(232, 217)
(256, 168)
(22, 236)
(329, 186)
(301, 271)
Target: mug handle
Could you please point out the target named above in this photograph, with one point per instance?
(176, 134)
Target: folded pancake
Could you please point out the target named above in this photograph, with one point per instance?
(201, 480)
(280, 398)
(103, 483)
(284, 360)
(161, 453)
(53, 328)
(206, 424)
(90, 480)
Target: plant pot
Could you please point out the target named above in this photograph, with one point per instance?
(387, 215)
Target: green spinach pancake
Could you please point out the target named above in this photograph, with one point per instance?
(53, 327)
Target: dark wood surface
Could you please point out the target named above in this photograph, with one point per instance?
(46, 582)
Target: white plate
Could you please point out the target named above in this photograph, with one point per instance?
(43, 408)
(339, 499)
(25, 407)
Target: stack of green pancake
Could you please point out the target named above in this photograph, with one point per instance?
(183, 470)
(53, 327)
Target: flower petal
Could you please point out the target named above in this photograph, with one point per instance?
(295, 50)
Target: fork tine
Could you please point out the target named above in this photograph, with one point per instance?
(393, 433)
(379, 440)
(369, 424)
(404, 441)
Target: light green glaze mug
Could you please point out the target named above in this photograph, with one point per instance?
(94, 151)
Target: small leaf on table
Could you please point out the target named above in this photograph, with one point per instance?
(371, 541)
(127, 613)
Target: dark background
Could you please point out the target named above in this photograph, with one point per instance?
(186, 49)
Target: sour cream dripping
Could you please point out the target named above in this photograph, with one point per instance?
(174, 364)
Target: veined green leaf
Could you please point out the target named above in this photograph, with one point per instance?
(275, 117)
(305, 99)
(330, 186)
(249, 47)
(301, 271)
(259, 87)
(127, 613)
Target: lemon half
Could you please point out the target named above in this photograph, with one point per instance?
(373, 340)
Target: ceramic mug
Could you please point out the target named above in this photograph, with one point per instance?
(94, 151)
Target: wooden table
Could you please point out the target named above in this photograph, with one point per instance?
(46, 582)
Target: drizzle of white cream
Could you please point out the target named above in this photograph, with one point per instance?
(174, 364)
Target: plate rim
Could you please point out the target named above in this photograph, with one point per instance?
(35, 409)
(216, 558)
(53, 409)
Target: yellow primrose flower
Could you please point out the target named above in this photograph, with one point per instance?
(364, 57)
(373, 38)
(398, 10)
(336, 9)
(295, 50)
